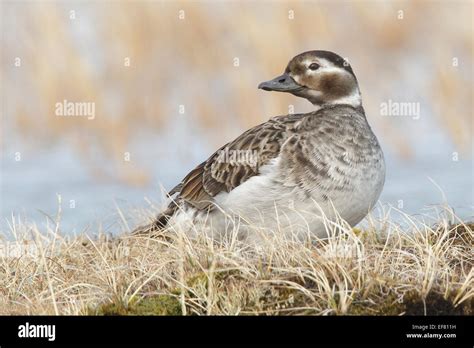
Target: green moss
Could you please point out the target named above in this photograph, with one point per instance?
(152, 305)
(412, 304)
(109, 309)
(163, 304)
(436, 304)
(198, 280)
(158, 305)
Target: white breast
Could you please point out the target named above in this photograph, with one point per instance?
(262, 202)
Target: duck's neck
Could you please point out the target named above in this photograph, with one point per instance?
(354, 100)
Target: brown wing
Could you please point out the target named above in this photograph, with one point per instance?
(235, 162)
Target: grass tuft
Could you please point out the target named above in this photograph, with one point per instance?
(381, 269)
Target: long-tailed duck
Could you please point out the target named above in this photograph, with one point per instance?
(289, 172)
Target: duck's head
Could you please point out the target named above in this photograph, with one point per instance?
(322, 77)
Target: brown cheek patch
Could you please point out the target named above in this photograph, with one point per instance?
(334, 85)
(308, 81)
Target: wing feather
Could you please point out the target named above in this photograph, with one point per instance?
(223, 173)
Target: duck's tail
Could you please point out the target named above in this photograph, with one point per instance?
(159, 224)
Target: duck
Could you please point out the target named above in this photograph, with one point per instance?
(293, 174)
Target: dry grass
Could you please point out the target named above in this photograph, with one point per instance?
(382, 270)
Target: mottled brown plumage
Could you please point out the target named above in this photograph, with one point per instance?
(214, 176)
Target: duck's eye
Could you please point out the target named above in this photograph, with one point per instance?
(314, 66)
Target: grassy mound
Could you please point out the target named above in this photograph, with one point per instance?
(375, 271)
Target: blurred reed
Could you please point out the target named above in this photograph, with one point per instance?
(191, 61)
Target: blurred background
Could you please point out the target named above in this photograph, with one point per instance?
(172, 81)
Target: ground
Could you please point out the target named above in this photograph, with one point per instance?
(375, 271)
